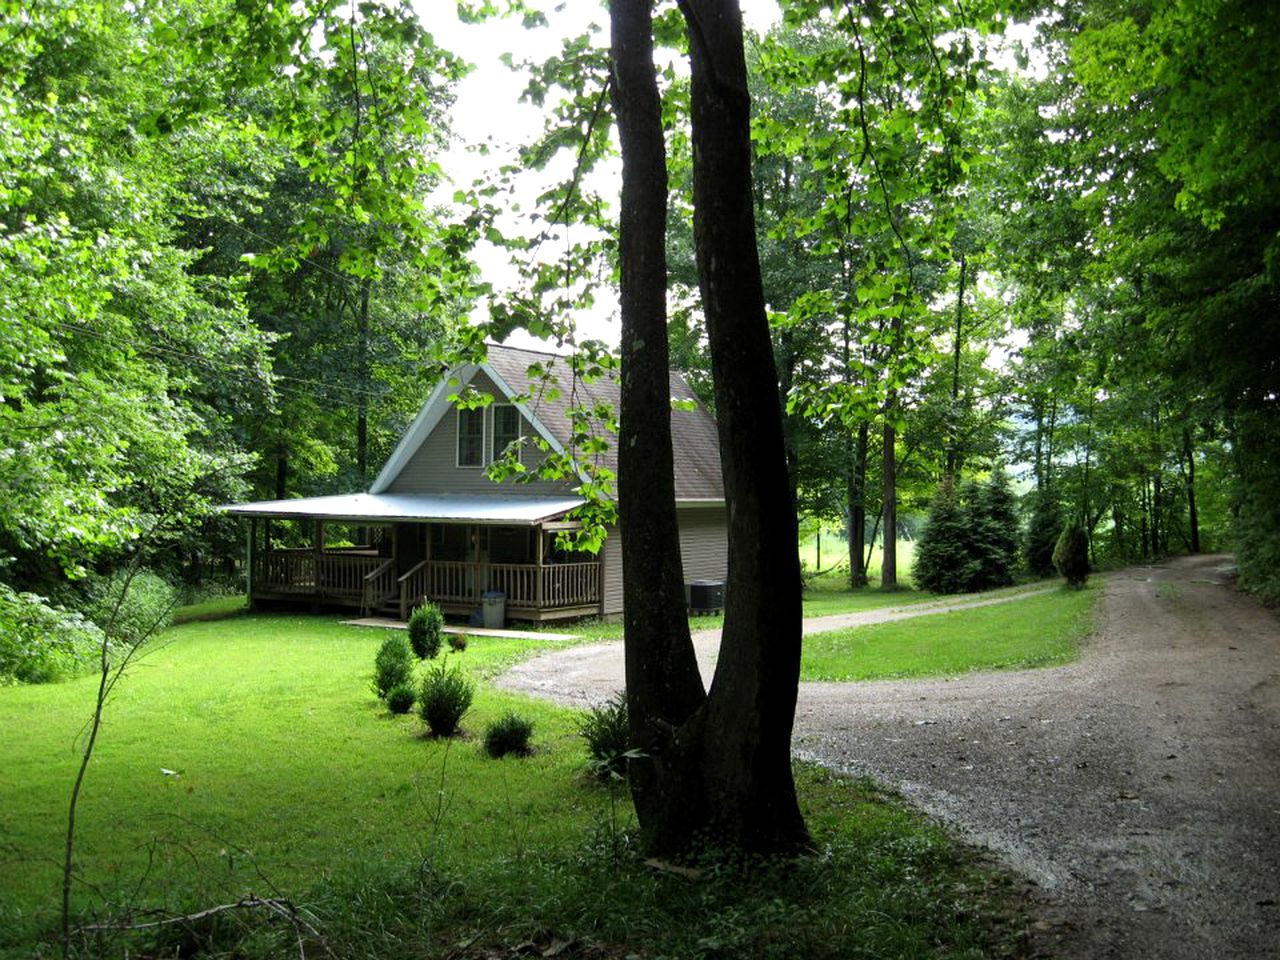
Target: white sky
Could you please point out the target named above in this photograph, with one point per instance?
(488, 110)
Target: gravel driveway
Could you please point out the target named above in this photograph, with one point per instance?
(1138, 788)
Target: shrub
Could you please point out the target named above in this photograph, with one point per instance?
(458, 642)
(131, 608)
(401, 698)
(393, 666)
(42, 643)
(510, 733)
(1071, 555)
(607, 732)
(1042, 534)
(444, 700)
(426, 626)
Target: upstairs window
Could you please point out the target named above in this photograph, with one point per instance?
(471, 437)
(506, 429)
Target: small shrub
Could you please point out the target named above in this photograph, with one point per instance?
(401, 698)
(393, 666)
(426, 626)
(457, 642)
(510, 733)
(444, 700)
(1071, 555)
(607, 732)
(41, 642)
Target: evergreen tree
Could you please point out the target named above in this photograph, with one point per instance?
(1042, 534)
(1071, 555)
(993, 525)
(970, 541)
(943, 554)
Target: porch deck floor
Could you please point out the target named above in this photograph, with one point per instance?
(391, 623)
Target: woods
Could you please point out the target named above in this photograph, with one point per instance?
(906, 249)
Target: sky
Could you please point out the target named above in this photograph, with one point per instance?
(488, 111)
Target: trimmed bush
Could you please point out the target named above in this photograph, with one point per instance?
(393, 666)
(457, 642)
(426, 627)
(401, 698)
(444, 699)
(607, 732)
(1071, 555)
(510, 733)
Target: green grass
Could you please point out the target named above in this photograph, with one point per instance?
(1036, 631)
(836, 552)
(215, 608)
(293, 780)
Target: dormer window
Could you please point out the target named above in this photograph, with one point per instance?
(471, 437)
(506, 429)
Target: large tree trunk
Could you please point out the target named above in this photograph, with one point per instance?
(857, 496)
(1193, 515)
(726, 771)
(664, 687)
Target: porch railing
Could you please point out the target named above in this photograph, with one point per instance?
(324, 575)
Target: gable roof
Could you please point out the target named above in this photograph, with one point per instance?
(693, 432)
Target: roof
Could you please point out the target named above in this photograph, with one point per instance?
(412, 506)
(696, 446)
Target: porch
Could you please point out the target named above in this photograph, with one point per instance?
(392, 566)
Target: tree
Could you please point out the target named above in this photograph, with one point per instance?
(716, 762)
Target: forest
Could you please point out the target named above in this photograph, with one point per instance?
(1004, 238)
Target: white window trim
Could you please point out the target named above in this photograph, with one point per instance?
(493, 431)
(457, 439)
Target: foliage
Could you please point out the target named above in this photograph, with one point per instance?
(605, 729)
(41, 643)
(1042, 534)
(393, 666)
(444, 699)
(131, 605)
(970, 541)
(401, 698)
(510, 733)
(426, 629)
(1071, 555)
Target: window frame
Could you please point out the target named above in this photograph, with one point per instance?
(458, 438)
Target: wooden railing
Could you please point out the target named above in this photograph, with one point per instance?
(379, 585)
(370, 581)
(321, 575)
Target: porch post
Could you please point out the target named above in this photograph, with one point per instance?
(249, 559)
(537, 590)
(318, 551)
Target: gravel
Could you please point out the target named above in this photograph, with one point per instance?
(1137, 790)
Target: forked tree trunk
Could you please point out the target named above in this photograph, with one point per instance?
(726, 770)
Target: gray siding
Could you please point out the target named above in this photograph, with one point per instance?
(431, 469)
(611, 584)
(704, 542)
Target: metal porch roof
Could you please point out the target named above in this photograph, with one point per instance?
(410, 507)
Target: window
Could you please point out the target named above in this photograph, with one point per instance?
(471, 438)
(506, 429)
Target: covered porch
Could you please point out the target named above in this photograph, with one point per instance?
(386, 554)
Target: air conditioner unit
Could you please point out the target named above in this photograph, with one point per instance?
(704, 596)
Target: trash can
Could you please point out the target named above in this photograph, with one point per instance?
(494, 603)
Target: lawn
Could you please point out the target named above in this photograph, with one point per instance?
(1034, 631)
(249, 754)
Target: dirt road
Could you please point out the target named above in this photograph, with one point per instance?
(1139, 788)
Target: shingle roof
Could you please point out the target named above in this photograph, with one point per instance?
(693, 432)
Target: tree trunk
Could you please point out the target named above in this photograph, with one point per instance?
(736, 782)
(282, 472)
(664, 688)
(364, 377)
(889, 551)
(1193, 516)
(953, 441)
(857, 495)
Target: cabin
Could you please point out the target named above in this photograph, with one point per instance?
(433, 525)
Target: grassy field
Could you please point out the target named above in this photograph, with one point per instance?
(1033, 632)
(835, 551)
(249, 754)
